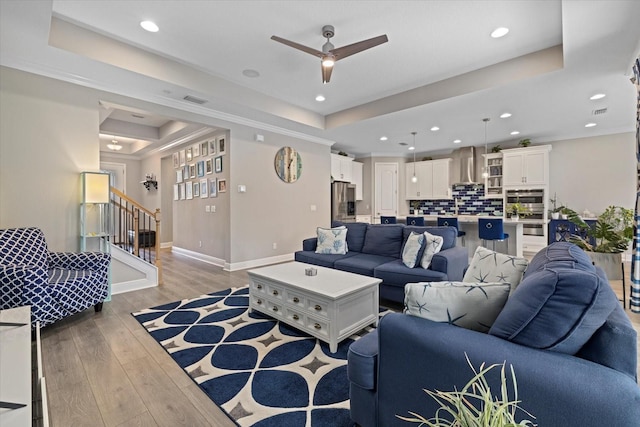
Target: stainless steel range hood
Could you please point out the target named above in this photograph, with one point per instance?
(464, 165)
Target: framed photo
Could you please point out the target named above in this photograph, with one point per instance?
(213, 187)
(222, 186)
(222, 145)
(176, 192)
(204, 149)
(192, 170)
(182, 158)
(200, 167)
(204, 190)
(189, 154)
(176, 160)
(189, 190)
(185, 172)
(179, 176)
(208, 166)
(196, 150)
(196, 190)
(181, 188)
(218, 164)
(212, 147)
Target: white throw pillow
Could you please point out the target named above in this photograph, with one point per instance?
(332, 240)
(412, 249)
(432, 246)
(472, 306)
(489, 266)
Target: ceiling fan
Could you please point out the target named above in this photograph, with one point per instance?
(329, 54)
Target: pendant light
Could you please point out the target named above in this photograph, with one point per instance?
(114, 145)
(414, 178)
(485, 171)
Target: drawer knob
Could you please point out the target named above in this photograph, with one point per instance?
(296, 299)
(259, 301)
(259, 286)
(275, 308)
(275, 292)
(317, 307)
(317, 326)
(295, 317)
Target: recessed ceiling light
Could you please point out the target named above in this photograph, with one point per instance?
(515, 132)
(505, 115)
(457, 141)
(149, 26)
(597, 96)
(590, 125)
(412, 148)
(499, 32)
(383, 138)
(320, 98)
(435, 128)
(250, 73)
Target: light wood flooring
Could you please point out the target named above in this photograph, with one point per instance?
(104, 369)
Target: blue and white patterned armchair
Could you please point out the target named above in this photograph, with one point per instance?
(55, 284)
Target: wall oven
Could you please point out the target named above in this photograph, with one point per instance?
(534, 201)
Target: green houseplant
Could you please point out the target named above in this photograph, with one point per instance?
(555, 211)
(524, 142)
(475, 405)
(517, 210)
(415, 204)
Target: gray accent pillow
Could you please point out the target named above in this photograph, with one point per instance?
(488, 266)
(472, 306)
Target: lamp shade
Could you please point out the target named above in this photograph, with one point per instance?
(95, 187)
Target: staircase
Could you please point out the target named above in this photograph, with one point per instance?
(136, 229)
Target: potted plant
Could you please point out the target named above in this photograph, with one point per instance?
(496, 149)
(524, 142)
(555, 211)
(475, 404)
(606, 239)
(517, 210)
(415, 204)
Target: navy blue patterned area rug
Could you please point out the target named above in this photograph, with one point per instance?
(261, 372)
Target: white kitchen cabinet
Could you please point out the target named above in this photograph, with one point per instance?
(433, 180)
(526, 167)
(341, 168)
(356, 178)
(493, 181)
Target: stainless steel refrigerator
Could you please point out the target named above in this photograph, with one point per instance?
(343, 202)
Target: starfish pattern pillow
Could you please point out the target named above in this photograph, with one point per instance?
(332, 240)
(432, 246)
(472, 306)
(488, 266)
(413, 249)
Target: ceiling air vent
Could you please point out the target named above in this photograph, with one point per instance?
(137, 116)
(600, 111)
(194, 100)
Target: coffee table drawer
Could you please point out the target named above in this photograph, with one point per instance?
(295, 318)
(274, 309)
(275, 291)
(318, 326)
(258, 286)
(296, 299)
(317, 307)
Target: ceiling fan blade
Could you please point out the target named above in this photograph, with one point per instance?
(298, 46)
(344, 51)
(326, 73)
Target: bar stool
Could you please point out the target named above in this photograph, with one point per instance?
(492, 229)
(451, 222)
(415, 220)
(387, 220)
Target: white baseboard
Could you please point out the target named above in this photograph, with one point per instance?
(133, 285)
(165, 245)
(232, 266)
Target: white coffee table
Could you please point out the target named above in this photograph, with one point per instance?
(330, 306)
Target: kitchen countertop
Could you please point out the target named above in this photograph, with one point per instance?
(474, 218)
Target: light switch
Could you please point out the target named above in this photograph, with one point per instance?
(242, 188)
(313, 208)
(213, 208)
(207, 208)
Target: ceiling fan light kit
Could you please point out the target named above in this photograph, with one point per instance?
(329, 55)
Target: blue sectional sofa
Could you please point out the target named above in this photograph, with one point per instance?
(571, 345)
(376, 250)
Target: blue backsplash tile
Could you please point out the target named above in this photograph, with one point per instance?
(470, 198)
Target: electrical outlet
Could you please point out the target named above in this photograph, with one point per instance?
(213, 208)
(207, 208)
(275, 245)
(200, 243)
(314, 208)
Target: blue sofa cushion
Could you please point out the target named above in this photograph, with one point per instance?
(355, 234)
(323, 260)
(396, 273)
(448, 234)
(363, 361)
(363, 263)
(560, 255)
(556, 309)
(384, 240)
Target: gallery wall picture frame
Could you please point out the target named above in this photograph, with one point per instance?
(212, 147)
(200, 168)
(189, 154)
(176, 160)
(213, 187)
(204, 190)
(222, 186)
(208, 166)
(181, 189)
(222, 145)
(189, 190)
(179, 176)
(176, 192)
(183, 158)
(185, 172)
(204, 149)
(195, 149)
(196, 190)
(218, 164)
(192, 170)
